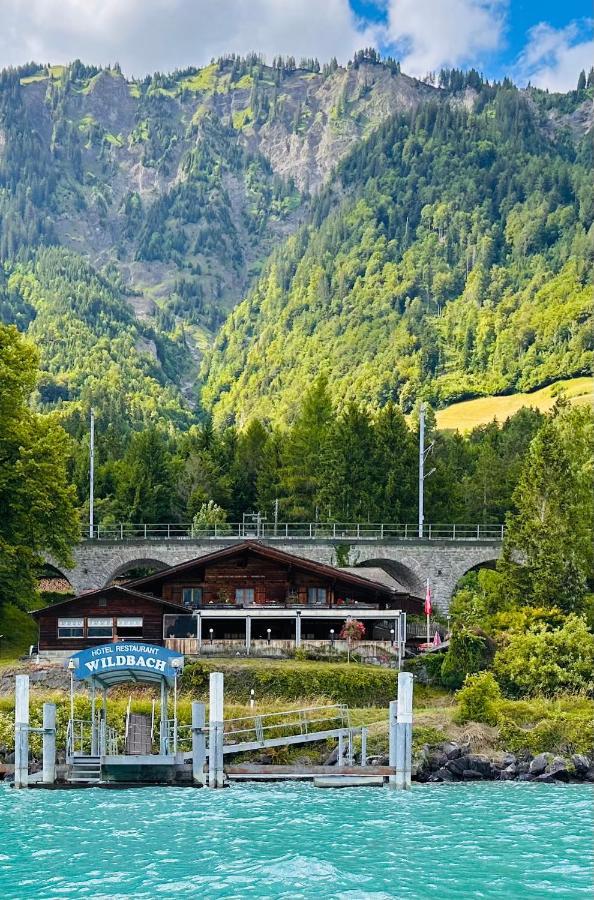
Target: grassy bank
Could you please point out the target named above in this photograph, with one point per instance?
(468, 414)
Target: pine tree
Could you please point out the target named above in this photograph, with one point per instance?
(543, 563)
(581, 85)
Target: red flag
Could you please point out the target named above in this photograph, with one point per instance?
(428, 607)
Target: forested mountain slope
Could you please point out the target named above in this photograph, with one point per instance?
(450, 257)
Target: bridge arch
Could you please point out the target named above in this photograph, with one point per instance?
(402, 573)
(136, 568)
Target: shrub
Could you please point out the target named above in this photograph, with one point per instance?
(547, 661)
(353, 684)
(559, 732)
(470, 651)
(478, 699)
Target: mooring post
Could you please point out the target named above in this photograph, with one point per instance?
(403, 736)
(392, 740)
(21, 731)
(198, 742)
(340, 758)
(215, 741)
(363, 746)
(49, 743)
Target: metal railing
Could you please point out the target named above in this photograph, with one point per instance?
(284, 531)
(80, 740)
(286, 723)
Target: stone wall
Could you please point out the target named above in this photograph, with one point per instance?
(412, 562)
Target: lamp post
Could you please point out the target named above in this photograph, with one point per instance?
(268, 630)
(71, 668)
(392, 635)
(332, 637)
(211, 632)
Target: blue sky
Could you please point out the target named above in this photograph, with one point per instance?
(546, 42)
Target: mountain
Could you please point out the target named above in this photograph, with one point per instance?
(135, 215)
(449, 257)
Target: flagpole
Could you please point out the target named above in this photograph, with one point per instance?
(428, 611)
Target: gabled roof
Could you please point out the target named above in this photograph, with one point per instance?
(265, 551)
(110, 588)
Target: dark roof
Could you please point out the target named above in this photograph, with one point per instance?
(273, 553)
(111, 587)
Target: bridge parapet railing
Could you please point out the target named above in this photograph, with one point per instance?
(284, 531)
(285, 724)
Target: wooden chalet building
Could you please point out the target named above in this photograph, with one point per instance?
(244, 596)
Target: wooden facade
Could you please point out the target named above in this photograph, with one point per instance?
(239, 578)
(112, 603)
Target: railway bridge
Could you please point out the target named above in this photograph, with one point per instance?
(443, 554)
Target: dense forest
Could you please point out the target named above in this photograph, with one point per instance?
(450, 257)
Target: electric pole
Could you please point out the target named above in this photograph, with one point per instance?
(421, 466)
(422, 474)
(92, 475)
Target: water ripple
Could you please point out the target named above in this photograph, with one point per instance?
(293, 842)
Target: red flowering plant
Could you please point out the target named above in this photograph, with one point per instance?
(352, 630)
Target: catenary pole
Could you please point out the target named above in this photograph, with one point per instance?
(421, 466)
(92, 475)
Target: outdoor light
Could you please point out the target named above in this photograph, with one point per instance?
(332, 636)
(211, 632)
(268, 633)
(392, 633)
(252, 695)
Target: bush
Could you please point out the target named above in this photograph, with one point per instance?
(353, 684)
(559, 732)
(547, 661)
(470, 651)
(479, 700)
(426, 668)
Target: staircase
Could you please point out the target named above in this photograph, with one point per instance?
(85, 770)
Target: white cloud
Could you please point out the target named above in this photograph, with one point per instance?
(429, 34)
(554, 57)
(148, 35)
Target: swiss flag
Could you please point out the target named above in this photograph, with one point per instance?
(428, 607)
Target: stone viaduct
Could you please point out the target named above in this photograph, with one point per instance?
(411, 561)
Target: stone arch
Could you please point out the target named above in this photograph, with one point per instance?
(57, 579)
(141, 562)
(404, 574)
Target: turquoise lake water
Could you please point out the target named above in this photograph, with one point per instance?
(295, 841)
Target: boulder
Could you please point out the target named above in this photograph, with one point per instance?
(452, 750)
(509, 759)
(436, 760)
(539, 763)
(589, 776)
(481, 765)
(560, 769)
(546, 778)
(509, 773)
(471, 775)
(456, 766)
(441, 775)
(526, 776)
(581, 764)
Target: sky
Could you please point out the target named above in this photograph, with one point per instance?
(546, 42)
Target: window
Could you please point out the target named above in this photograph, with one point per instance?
(192, 597)
(244, 595)
(70, 628)
(316, 596)
(129, 627)
(99, 628)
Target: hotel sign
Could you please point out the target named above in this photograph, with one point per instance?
(134, 656)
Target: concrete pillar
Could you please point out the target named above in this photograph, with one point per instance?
(340, 758)
(248, 634)
(199, 631)
(49, 743)
(198, 742)
(298, 630)
(392, 723)
(215, 743)
(21, 731)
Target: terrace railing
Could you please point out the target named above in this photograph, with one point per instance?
(293, 531)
